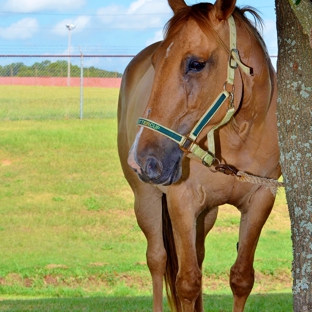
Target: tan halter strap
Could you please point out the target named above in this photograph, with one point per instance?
(234, 59)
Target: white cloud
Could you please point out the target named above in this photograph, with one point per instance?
(23, 29)
(158, 36)
(39, 5)
(81, 22)
(140, 14)
(135, 6)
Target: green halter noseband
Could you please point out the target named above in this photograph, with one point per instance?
(188, 142)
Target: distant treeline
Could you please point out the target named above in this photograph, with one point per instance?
(53, 69)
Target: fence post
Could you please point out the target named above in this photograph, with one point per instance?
(81, 84)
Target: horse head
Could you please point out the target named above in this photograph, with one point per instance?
(190, 70)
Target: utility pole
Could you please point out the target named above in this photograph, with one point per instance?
(70, 27)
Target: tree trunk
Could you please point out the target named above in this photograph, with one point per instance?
(294, 72)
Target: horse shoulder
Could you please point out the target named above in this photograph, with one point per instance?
(135, 90)
(136, 70)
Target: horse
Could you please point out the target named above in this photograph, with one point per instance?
(196, 123)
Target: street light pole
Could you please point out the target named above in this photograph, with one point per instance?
(69, 27)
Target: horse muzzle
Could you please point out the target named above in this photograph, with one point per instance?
(151, 169)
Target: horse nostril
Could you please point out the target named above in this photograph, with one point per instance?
(153, 168)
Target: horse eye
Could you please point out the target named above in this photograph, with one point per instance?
(196, 66)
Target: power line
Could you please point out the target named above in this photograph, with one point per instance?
(103, 14)
(92, 14)
(86, 28)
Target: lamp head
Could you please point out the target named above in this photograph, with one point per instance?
(70, 26)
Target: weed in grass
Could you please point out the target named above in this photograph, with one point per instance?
(92, 203)
(107, 247)
(58, 199)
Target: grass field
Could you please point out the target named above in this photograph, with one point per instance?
(41, 102)
(69, 239)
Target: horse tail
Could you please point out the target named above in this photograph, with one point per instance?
(172, 260)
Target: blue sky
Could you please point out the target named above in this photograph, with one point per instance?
(102, 27)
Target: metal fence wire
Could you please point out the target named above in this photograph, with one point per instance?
(60, 86)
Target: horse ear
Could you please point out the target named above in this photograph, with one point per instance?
(177, 5)
(222, 9)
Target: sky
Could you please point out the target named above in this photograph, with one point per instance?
(122, 27)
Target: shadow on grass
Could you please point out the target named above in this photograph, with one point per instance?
(213, 303)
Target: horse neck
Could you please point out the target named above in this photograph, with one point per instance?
(259, 93)
(254, 123)
(259, 89)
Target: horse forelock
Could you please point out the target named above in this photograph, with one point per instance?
(199, 12)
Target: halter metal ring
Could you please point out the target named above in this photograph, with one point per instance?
(218, 161)
(231, 93)
(225, 87)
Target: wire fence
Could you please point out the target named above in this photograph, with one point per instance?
(60, 86)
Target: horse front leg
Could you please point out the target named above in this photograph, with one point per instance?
(188, 279)
(148, 210)
(253, 216)
(204, 224)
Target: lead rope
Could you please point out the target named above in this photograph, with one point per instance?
(271, 184)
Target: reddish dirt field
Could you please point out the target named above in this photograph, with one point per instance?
(61, 81)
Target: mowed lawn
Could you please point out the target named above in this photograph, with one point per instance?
(68, 230)
(49, 102)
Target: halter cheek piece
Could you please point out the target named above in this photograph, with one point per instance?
(188, 142)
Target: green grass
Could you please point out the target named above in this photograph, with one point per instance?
(68, 230)
(213, 303)
(45, 102)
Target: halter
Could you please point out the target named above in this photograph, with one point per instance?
(188, 143)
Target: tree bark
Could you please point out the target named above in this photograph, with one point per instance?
(303, 12)
(294, 72)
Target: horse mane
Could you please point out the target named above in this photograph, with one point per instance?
(199, 12)
(253, 28)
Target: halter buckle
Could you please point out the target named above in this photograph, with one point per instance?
(232, 62)
(214, 159)
(186, 144)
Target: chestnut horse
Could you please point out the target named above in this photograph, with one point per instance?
(199, 104)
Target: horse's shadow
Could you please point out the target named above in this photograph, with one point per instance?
(213, 303)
